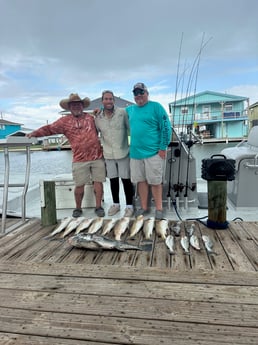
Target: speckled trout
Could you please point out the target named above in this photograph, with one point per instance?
(93, 241)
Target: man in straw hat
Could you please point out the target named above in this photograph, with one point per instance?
(88, 163)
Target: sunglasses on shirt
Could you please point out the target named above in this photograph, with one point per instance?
(138, 92)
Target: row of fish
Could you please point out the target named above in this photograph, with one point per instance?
(187, 241)
(119, 226)
(91, 226)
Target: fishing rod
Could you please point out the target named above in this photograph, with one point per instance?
(180, 186)
(190, 142)
(170, 161)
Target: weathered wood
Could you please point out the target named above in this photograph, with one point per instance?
(48, 210)
(24, 339)
(128, 287)
(134, 273)
(217, 201)
(171, 309)
(121, 330)
(52, 293)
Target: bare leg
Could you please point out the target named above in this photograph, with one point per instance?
(78, 195)
(98, 189)
(157, 195)
(143, 190)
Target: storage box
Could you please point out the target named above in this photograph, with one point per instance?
(64, 190)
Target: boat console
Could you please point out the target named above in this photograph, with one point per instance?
(243, 190)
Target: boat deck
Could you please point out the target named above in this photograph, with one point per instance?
(52, 293)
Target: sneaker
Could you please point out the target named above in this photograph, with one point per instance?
(159, 215)
(129, 211)
(140, 212)
(77, 212)
(113, 210)
(100, 212)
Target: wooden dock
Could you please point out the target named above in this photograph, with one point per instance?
(52, 293)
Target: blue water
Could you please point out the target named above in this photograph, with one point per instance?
(60, 162)
(42, 162)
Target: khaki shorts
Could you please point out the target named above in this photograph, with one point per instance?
(118, 167)
(88, 172)
(149, 169)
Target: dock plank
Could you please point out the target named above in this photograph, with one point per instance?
(120, 330)
(142, 308)
(52, 293)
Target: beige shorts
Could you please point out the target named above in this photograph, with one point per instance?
(88, 172)
(149, 169)
(118, 167)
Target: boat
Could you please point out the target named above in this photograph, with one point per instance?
(184, 195)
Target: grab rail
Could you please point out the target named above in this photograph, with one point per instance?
(23, 144)
(252, 166)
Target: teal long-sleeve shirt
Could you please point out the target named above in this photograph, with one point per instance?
(150, 129)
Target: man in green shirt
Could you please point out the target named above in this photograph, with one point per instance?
(150, 131)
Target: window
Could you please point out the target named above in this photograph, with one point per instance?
(184, 110)
(228, 107)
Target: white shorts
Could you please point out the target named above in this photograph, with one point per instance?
(118, 167)
(149, 169)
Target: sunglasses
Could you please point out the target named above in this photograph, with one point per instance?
(138, 92)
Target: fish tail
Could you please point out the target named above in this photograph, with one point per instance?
(147, 247)
(212, 252)
(54, 239)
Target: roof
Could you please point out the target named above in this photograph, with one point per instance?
(119, 102)
(20, 133)
(97, 103)
(208, 97)
(254, 105)
(5, 122)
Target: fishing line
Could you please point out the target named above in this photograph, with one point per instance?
(190, 143)
(178, 188)
(173, 114)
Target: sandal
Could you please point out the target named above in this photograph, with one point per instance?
(77, 212)
(100, 212)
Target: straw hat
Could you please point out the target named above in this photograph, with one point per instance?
(64, 103)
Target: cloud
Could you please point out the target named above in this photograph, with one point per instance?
(58, 46)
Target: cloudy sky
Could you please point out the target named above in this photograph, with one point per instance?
(50, 48)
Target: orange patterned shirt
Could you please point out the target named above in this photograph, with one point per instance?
(81, 133)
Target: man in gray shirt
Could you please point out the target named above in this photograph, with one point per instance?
(112, 123)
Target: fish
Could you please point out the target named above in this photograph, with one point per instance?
(93, 241)
(72, 225)
(161, 228)
(176, 228)
(148, 227)
(208, 244)
(190, 229)
(95, 225)
(170, 243)
(84, 225)
(108, 226)
(185, 244)
(137, 225)
(63, 224)
(195, 242)
(121, 227)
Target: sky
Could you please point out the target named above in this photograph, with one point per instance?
(51, 48)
